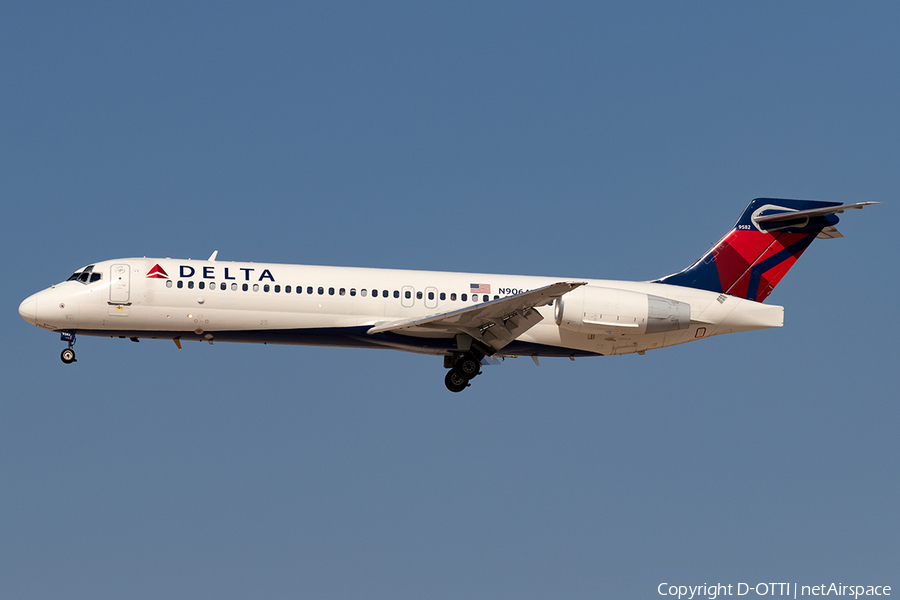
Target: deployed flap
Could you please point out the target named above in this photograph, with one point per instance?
(494, 323)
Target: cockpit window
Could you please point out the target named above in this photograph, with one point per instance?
(85, 275)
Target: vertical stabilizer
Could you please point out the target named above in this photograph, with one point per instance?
(762, 246)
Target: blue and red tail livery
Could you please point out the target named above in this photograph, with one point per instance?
(762, 246)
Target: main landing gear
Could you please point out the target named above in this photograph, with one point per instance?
(68, 354)
(466, 368)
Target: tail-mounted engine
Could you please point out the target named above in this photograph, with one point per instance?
(591, 309)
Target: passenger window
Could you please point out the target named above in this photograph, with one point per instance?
(374, 293)
(245, 287)
(331, 291)
(453, 296)
(277, 288)
(363, 292)
(385, 293)
(255, 287)
(168, 283)
(309, 290)
(223, 286)
(287, 289)
(190, 285)
(431, 295)
(443, 296)
(321, 291)
(352, 291)
(407, 294)
(201, 285)
(233, 287)
(496, 297)
(342, 292)
(485, 298)
(396, 294)
(180, 284)
(464, 297)
(418, 295)
(266, 287)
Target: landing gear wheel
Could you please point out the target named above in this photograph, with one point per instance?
(468, 366)
(455, 381)
(67, 356)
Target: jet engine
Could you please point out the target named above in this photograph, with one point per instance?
(592, 309)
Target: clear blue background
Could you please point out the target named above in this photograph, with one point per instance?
(585, 140)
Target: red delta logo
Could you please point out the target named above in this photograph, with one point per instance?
(157, 272)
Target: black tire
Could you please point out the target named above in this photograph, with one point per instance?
(67, 356)
(468, 366)
(455, 381)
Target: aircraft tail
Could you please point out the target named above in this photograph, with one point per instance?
(762, 246)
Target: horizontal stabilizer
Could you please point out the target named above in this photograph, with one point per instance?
(829, 233)
(805, 214)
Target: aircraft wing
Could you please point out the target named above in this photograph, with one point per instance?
(495, 323)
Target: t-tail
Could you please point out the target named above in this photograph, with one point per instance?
(762, 246)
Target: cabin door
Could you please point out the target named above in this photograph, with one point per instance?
(119, 289)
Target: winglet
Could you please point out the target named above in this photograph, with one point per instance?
(177, 342)
(212, 257)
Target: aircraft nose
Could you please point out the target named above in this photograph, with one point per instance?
(28, 309)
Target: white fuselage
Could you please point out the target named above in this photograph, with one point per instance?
(336, 306)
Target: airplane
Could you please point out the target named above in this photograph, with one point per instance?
(470, 319)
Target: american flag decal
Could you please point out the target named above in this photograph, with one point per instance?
(480, 288)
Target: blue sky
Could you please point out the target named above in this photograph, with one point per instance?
(614, 141)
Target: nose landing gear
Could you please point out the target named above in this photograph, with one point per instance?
(68, 354)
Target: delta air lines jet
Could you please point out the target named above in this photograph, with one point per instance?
(469, 319)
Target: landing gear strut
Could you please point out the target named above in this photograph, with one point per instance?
(466, 368)
(68, 354)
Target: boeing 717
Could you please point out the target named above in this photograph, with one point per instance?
(468, 318)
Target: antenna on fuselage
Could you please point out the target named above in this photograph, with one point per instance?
(212, 257)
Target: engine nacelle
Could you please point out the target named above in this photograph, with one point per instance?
(591, 309)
